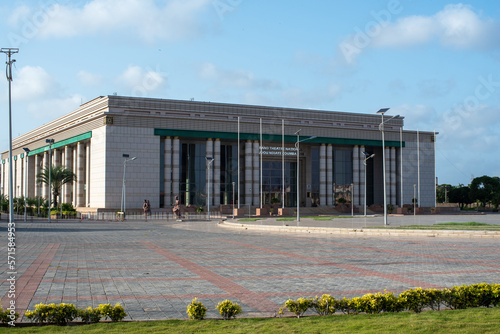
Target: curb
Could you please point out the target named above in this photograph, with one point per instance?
(364, 232)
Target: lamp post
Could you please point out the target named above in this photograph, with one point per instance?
(233, 198)
(367, 156)
(50, 142)
(297, 147)
(209, 162)
(124, 188)
(9, 52)
(27, 150)
(381, 128)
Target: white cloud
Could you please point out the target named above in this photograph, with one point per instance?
(88, 79)
(140, 81)
(238, 79)
(457, 26)
(143, 18)
(31, 82)
(54, 107)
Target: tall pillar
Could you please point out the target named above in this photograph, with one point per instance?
(80, 174)
(329, 175)
(56, 157)
(393, 176)
(68, 163)
(74, 155)
(248, 172)
(362, 184)
(37, 171)
(256, 174)
(175, 167)
(45, 187)
(209, 150)
(355, 174)
(216, 182)
(388, 174)
(322, 175)
(87, 174)
(168, 173)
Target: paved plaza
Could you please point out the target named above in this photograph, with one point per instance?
(155, 268)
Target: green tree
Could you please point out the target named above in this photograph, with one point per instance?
(442, 192)
(484, 189)
(59, 176)
(460, 195)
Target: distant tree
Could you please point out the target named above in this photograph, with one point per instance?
(58, 176)
(460, 195)
(441, 191)
(485, 189)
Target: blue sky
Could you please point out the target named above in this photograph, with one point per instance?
(437, 63)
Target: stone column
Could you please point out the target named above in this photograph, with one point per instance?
(37, 170)
(68, 162)
(56, 154)
(168, 200)
(248, 172)
(217, 164)
(388, 174)
(209, 150)
(355, 174)
(362, 184)
(322, 175)
(393, 176)
(80, 174)
(45, 187)
(175, 167)
(75, 170)
(256, 173)
(329, 175)
(87, 174)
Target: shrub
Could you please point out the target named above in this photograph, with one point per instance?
(60, 314)
(228, 309)
(326, 305)
(297, 307)
(415, 299)
(196, 310)
(90, 315)
(347, 306)
(380, 302)
(8, 315)
(115, 313)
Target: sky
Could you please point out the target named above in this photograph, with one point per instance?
(437, 63)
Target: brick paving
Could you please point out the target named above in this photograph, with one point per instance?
(155, 268)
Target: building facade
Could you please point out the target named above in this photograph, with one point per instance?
(241, 153)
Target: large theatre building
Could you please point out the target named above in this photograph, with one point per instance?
(254, 152)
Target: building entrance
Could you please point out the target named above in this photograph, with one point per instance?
(272, 183)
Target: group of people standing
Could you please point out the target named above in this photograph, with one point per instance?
(147, 208)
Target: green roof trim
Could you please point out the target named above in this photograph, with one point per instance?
(276, 138)
(62, 143)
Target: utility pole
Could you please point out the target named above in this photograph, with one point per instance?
(9, 52)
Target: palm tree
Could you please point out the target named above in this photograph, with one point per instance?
(58, 176)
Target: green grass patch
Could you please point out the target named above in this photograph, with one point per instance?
(478, 320)
(286, 219)
(248, 219)
(464, 224)
(325, 217)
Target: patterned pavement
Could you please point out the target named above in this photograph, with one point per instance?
(155, 268)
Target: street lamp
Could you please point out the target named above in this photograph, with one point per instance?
(27, 150)
(50, 142)
(381, 128)
(367, 156)
(209, 162)
(297, 147)
(233, 198)
(124, 195)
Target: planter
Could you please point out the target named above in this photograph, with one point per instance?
(239, 212)
(283, 212)
(260, 212)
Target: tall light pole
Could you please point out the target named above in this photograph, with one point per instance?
(367, 156)
(297, 147)
(209, 162)
(50, 142)
(233, 199)
(124, 188)
(27, 150)
(9, 52)
(381, 128)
